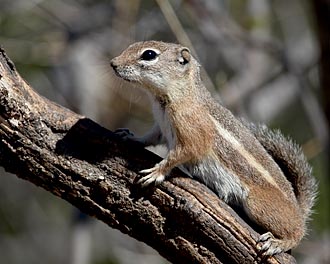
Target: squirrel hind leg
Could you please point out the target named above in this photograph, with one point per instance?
(280, 216)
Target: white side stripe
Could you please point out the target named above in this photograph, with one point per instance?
(244, 153)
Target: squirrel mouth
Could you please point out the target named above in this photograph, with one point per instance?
(122, 73)
(123, 76)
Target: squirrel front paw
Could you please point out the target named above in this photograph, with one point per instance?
(126, 134)
(155, 175)
(269, 245)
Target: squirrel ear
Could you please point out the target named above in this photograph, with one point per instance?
(184, 56)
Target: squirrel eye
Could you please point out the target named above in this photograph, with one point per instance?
(149, 55)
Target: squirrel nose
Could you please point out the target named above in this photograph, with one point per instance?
(113, 64)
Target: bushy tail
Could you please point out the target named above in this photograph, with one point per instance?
(290, 158)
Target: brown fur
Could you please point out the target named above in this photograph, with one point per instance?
(219, 150)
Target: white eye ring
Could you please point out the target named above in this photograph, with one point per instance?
(149, 56)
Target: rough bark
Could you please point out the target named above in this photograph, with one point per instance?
(76, 159)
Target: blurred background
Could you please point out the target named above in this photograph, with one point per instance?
(267, 61)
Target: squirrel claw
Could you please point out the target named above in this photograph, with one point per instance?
(269, 245)
(145, 171)
(124, 133)
(154, 176)
(265, 237)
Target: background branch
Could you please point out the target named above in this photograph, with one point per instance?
(87, 165)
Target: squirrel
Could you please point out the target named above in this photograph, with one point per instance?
(246, 165)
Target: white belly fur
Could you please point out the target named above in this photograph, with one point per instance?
(226, 185)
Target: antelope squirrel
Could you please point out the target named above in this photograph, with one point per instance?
(244, 164)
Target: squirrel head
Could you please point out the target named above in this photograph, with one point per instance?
(161, 68)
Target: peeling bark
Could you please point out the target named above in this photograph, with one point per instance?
(78, 160)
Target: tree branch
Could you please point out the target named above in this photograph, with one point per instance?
(90, 167)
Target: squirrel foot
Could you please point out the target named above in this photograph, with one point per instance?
(125, 134)
(155, 175)
(269, 245)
